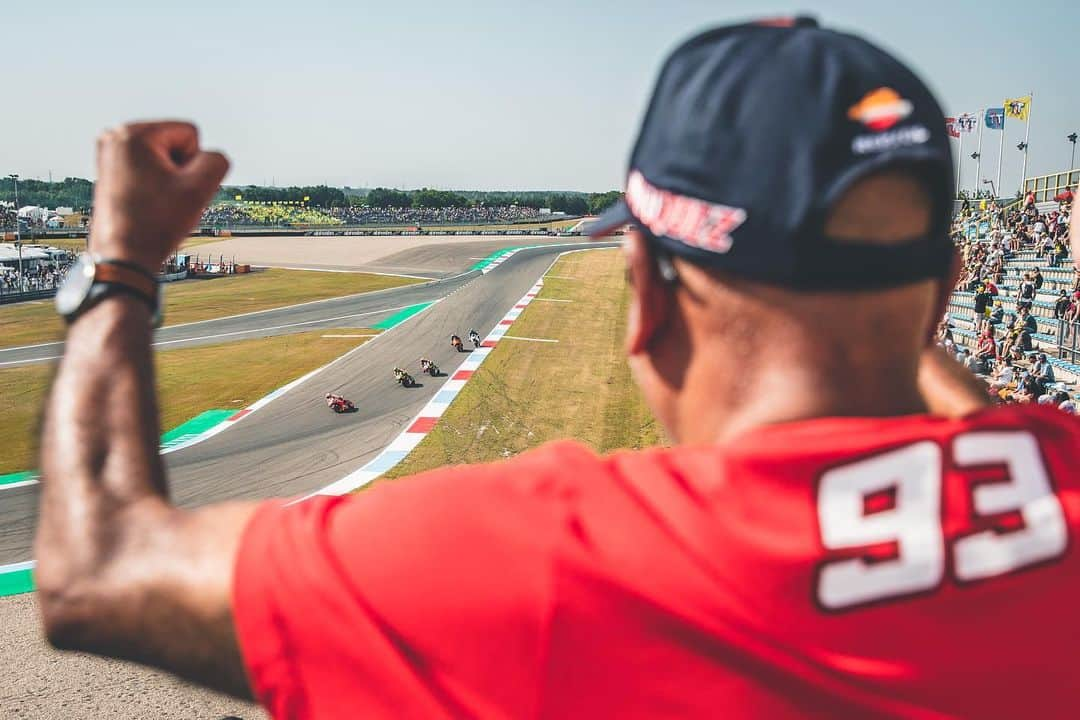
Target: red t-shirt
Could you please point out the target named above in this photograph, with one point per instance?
(913, 567)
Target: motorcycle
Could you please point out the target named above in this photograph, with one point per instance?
(341, 405)
(404, 379)
(430, 368)
(456, 343)
(475, 339)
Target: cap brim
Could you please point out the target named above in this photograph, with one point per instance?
(612, 219)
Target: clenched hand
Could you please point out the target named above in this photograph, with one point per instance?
(153, 184)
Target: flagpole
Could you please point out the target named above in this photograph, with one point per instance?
(959, 164)
(1027, 133)
(1001, 155)
(978, 152)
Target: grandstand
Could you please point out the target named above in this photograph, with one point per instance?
(1006, 248)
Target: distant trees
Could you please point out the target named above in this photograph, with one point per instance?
(571, 203)
(429, 198)
(78, 194)
(317, 195)
(599, 202)
(384, 197)
(70, 192)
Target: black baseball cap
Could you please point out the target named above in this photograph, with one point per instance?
(755, 130)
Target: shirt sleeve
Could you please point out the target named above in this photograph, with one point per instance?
(423, 597)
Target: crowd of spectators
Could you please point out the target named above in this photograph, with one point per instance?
(225, 215)
(1004, 353)
(8, 216)
(45, 276)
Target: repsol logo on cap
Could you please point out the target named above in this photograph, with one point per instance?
(879, 111)
(695, 222)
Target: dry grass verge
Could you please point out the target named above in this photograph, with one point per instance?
(194, 300)
(527, 393)
(190, 381)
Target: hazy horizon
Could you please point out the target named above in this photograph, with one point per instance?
(489, 97)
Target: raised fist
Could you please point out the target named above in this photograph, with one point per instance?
(153, 184)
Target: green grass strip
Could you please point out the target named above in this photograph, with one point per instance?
(185, 431)
(16, 582)
(17, 477)
(195, 426)
(495, 256)
(401, 316)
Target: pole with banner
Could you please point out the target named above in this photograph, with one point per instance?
(1027, 133)
(978, 157)
(960, 161)
(1001, 153)
(1020, 108)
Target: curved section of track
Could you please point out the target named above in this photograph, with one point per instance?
(295, 445)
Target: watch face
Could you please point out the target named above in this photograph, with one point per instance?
(75, 286)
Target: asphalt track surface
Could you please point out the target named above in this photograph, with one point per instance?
(290, 447)
(355, 310)
(445, 264)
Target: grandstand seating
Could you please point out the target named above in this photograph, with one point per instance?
(1003, 245)
(961, 311)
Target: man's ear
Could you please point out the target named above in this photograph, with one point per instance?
(650, 295)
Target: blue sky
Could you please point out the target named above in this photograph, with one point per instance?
(489, 95)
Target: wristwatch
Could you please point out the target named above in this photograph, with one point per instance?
(92, 279)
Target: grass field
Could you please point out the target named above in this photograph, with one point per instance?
(527, 393)
(190, 381)
(193, 300)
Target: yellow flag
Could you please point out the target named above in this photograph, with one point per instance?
(1018, 107)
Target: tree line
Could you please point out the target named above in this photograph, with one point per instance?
(70, 192)
(77, 193)
(571, 203)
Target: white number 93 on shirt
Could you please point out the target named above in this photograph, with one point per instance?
(912, 524)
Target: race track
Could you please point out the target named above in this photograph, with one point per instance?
(295, 445)
(290, 447)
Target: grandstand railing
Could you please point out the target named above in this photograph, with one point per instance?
(1068, 341)
(1047, 187)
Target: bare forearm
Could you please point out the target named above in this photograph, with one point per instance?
(121, 572)
(99, 444)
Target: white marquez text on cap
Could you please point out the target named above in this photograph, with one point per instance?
(690, 220)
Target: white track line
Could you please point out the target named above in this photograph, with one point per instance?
(16, 567)
(357, 271)
(246, 314)
(528, 339)
(21, 483)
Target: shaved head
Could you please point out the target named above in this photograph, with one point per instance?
(757, 343)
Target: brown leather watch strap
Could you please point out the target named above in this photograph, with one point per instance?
(134, 279)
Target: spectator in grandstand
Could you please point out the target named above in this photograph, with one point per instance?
(982, 302)
(726, 574)
(1024, 319)
(997, 314)
(1042, 370)
(1061, 305)
(1027, 390)
(1004, 378)
(986, 350)
(1071, 318)
(1025, 293)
